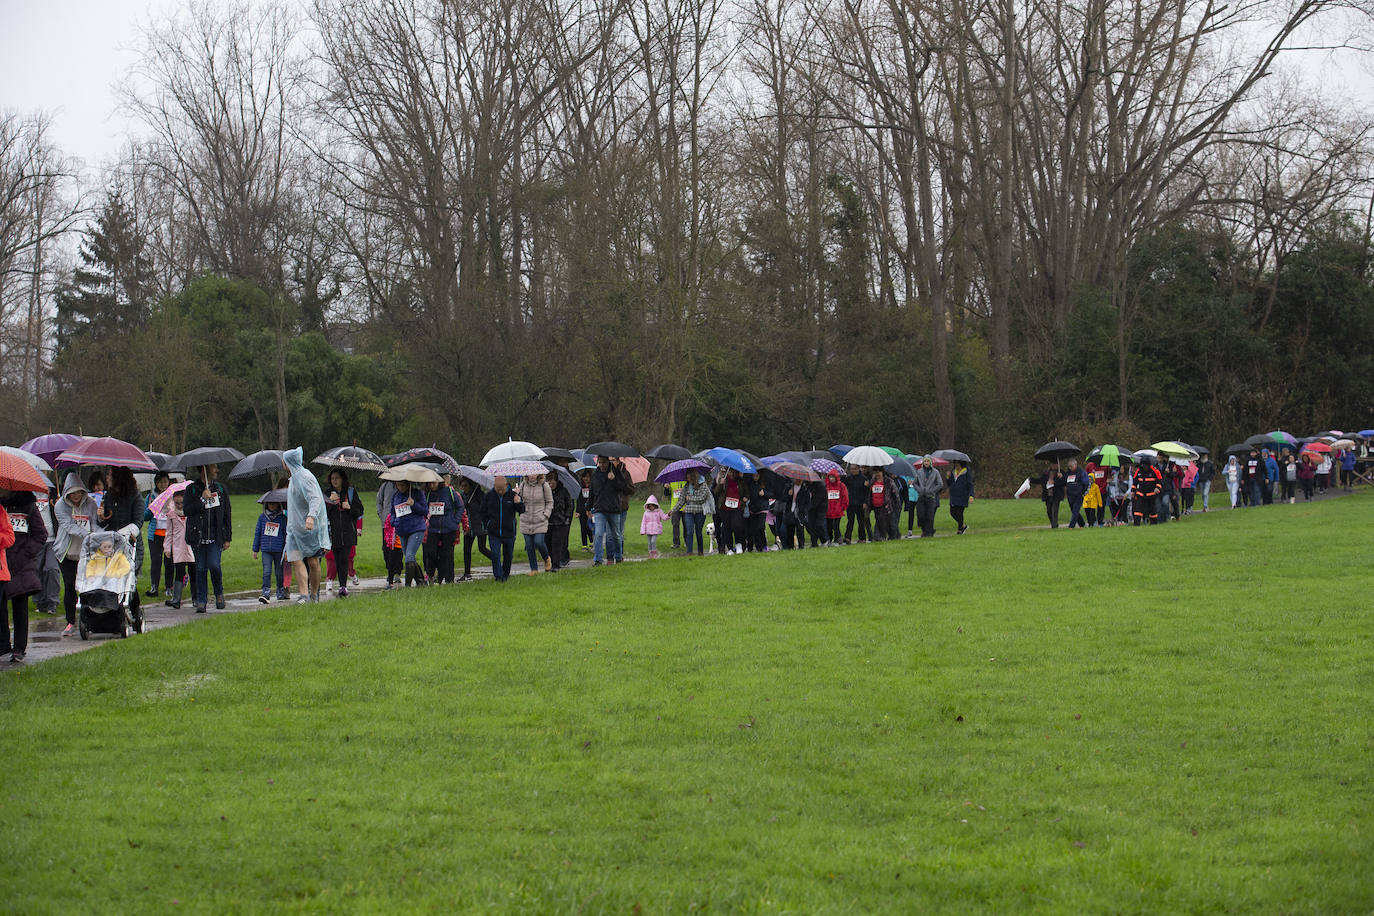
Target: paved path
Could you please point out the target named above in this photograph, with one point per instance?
(46, 641)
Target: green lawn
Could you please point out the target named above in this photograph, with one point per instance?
(1175, 719)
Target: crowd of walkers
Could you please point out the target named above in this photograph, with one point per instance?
(309, 530)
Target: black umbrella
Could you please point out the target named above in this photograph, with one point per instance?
(565, 476)
(1262, 440)
(1055, 451)
(267, 461)
(558, 453)
(612, 450)
(1201, 449)
(950, 454)
(274, 496)
(445, 463)
(200, 457)
(1240, 448)
(352, 457)
(823, 454)
(901, 468)
(668, 453)
(164, 461)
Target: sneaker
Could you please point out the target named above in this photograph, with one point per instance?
(219, 602)
(201, 608)
(70, 630)
(343, 592)
(329, 586)
(302, 599)
(168, 593)
(17, 658)
(283, 595)
(353, 580)
(151, 593)
(262, 599)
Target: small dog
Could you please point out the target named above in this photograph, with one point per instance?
(710, 537)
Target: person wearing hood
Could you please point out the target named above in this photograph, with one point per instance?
(537, 498)
(209, 531)
(1271, 477)
(960, 493)
(836, 504)
(500, 507)
(307, 526)
(928, 484)
(1149, 484)
(651, 525)
(1232, 475)
(76, 516)
(23, 558)
(344, 509)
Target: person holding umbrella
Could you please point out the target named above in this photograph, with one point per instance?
(500, 507)
(1253, 476)
(307, 526)
(929, 483)
(344, 508)
(537, 498)
(610, 482)
(730, 499)
(1051, 485)
(209, 531)
(582, 505)
(23, 557)
(696, 503)
(409, 518)
(446, 511)
(560, 522)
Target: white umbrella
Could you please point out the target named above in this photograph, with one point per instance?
(513, 450)
(867, 456)
(415, 473)
(37, 463)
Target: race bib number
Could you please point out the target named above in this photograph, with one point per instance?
(878, 489)
(586, 492)
(20, 523)
(1049, 485)
(832, 494)
(402, 510)
(436, 508)
(211, 500)
(271, 529)
(731, 503)
(82, 521)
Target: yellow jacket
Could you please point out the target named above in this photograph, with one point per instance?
(1093, 498)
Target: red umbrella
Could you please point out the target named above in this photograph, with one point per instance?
(105, 452)
(18, 474)
(1316, 447)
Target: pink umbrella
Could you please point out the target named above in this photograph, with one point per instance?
(638, 468)
(161, 501)
(105, 452)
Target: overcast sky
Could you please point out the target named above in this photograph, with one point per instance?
(63, 56)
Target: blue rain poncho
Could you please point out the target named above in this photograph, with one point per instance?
(304, 499)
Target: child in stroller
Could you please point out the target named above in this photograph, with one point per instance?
(105, 584)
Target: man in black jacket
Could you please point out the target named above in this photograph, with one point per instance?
(499, 508)
(857, 483)
(209, 529)
(610, 482)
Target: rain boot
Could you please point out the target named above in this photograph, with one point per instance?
(175, 600)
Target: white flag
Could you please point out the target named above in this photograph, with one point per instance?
(1024, 487)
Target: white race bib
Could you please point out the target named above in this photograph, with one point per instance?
(271, 529)
(436, 508)
(211, 500)
(402, 510)
(586, 492)
(20, 523)
(82, 521)
(878, 489)
(731, 503)
(832, 494)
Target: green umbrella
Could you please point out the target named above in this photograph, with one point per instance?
(1111, 457)
(894, 452)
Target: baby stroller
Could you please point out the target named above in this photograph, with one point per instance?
(105, 586)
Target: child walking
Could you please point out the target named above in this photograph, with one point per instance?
(270, 540)
(175, 550)
(652, 524)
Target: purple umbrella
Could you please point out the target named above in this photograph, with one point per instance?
(105, 451)
(677, 471)
(823, 466)
(50, 446)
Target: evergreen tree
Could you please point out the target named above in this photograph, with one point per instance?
(109, 294)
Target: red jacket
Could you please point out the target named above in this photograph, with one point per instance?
(836, 496)
(6, 542)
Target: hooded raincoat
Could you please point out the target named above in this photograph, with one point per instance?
(304, 499)
(73, 522)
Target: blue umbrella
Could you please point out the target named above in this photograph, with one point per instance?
(1366, 433)
(795, 457)
(677, 471)
(728, 457)
(841, 450)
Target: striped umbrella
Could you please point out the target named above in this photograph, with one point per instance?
(105, 452)
(18, 474)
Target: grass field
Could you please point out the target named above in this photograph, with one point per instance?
(1163, 720)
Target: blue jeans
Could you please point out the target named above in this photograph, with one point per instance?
(411, 543)
(618, 520)
(207, 561)
(601, 530)
(502, 549)
(1206, 489)
(273, 563)
(693, 523)
(1256, 488)
(535, 546)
